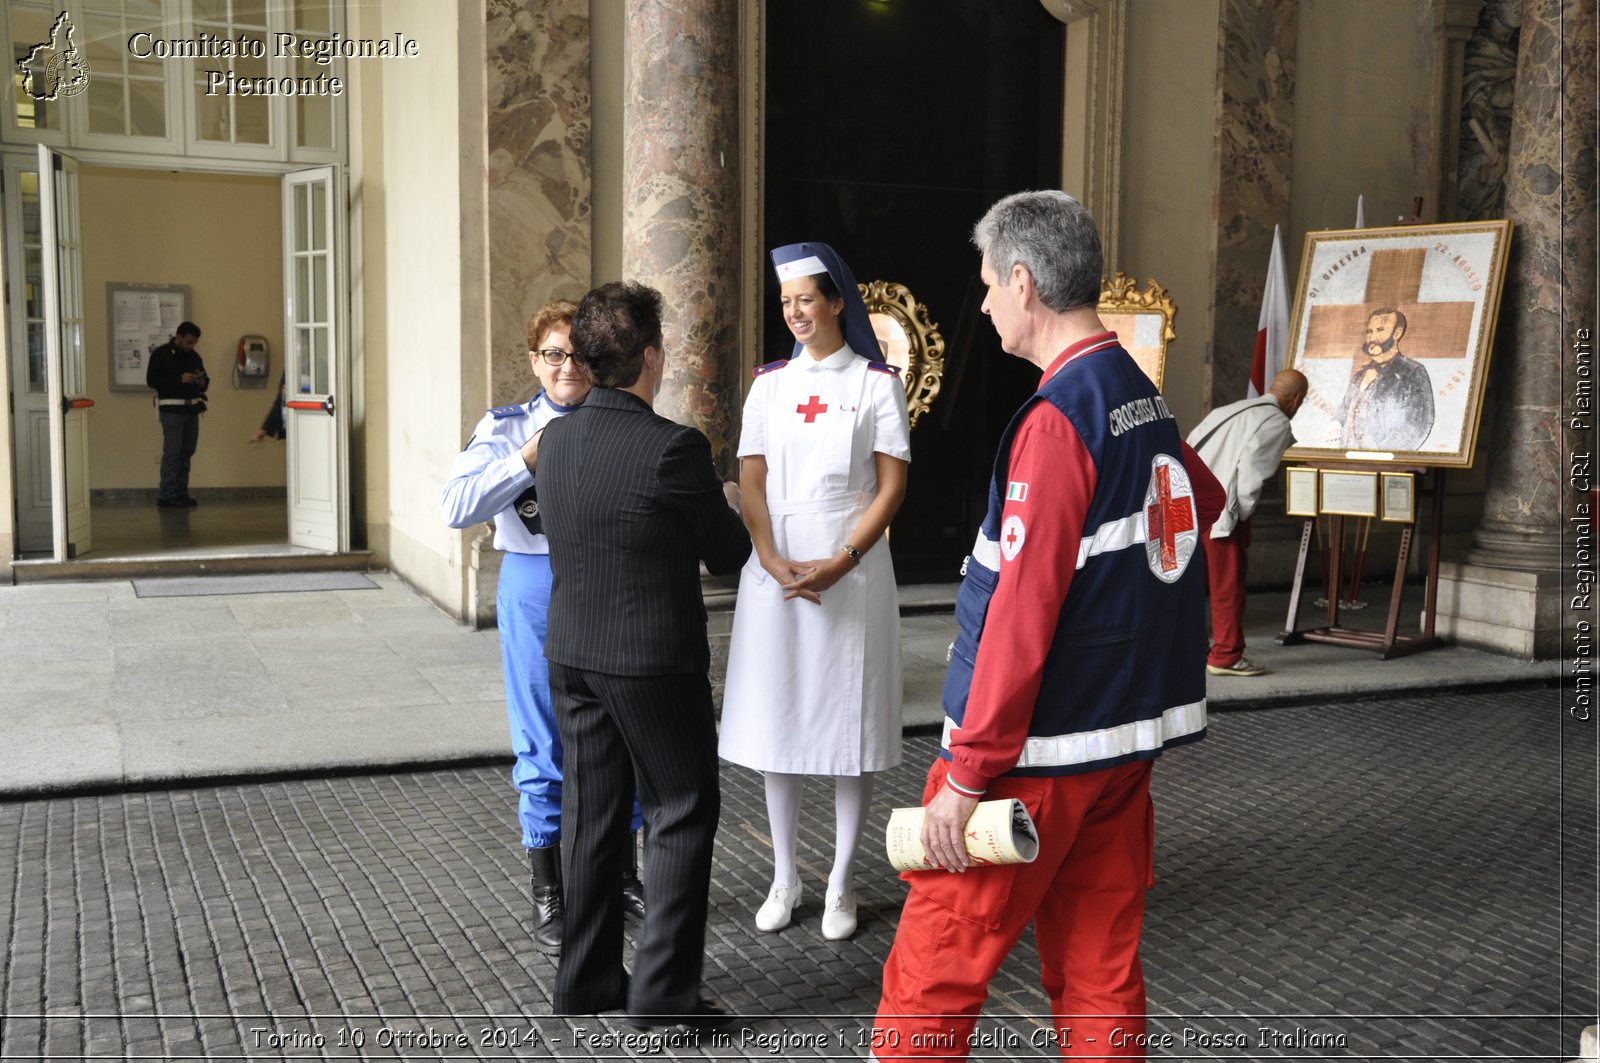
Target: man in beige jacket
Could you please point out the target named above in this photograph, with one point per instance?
(1242, 444)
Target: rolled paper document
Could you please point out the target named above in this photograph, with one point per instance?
(999, 832)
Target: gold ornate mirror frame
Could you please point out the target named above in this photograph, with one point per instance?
(1142, 320)
(907, 339)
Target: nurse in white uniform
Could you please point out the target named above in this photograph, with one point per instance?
(814, 679)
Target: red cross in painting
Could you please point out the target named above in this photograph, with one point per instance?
(812, 408)
(1168, 518)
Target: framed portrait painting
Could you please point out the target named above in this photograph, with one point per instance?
(1393, 329)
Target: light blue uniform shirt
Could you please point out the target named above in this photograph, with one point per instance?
(489, 474)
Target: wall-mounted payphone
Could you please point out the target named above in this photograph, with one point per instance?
(251, 364)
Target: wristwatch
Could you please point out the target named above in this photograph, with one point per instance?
(853, 554)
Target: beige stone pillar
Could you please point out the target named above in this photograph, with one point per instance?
(1507, 596)
(1091, 126)
(681, 200)
(1453, 23)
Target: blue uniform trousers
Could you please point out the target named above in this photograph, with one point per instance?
(522, 607)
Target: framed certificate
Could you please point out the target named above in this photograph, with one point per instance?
(1350, 494)
(1300, 491)
(1398, 493)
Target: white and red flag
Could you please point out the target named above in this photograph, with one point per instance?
(1272, 328)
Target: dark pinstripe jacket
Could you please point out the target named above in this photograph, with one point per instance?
(631, 505)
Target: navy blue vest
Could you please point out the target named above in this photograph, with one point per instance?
(1125, 674)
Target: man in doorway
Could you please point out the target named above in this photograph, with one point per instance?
(1388, 404)
(179, 378)
(1079, 658)
(632, 505)
(1242, 444)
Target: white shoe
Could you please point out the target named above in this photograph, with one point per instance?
(779, 908)
(839, 915)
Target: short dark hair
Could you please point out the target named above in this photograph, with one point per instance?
(611, 329)
(188, 328)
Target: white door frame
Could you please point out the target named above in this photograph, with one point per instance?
(63, 341)
(316, 359)
(30, 428)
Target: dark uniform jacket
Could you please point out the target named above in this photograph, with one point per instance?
(165, 374)
(631, 505)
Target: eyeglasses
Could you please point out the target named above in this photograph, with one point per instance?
(553, 355)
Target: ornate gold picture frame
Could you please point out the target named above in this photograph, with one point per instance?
(1142, 320)
(907, 338)
(1393, 330)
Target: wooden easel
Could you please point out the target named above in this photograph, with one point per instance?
(1388, 643)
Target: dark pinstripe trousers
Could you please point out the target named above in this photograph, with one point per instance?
(657, 733)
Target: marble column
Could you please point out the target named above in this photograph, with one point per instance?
(1255, 126)
(681, 200)
(1508, 595)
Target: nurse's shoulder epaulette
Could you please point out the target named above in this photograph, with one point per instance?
(500, 413)
(885, 367)
(769, 367)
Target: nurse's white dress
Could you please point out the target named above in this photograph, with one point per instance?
(816, 690)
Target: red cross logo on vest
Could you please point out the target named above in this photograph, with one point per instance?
(1171, 527)
(812, 408)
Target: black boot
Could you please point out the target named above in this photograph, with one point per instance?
(549, 910)
(632, 888)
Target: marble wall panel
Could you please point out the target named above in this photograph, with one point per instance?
(1488, 89)
(538, 55)
(1255, 124)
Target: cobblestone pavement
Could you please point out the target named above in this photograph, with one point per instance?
(1409, 878)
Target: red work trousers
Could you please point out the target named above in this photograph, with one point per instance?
(1226, 562)
(1084, 895)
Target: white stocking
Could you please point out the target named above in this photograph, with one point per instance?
(851, 796)
(783, 818)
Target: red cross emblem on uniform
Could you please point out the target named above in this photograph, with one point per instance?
(812, 408)
(1171, 529)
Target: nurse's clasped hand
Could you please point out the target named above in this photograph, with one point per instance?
(806, 579)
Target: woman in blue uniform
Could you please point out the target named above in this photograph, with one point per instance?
(493, 479)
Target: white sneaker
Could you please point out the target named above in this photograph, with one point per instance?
(779, 908)
(839, 915)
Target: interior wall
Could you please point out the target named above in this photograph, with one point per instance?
(221, 235)
(1168, 213)
(1362, 124)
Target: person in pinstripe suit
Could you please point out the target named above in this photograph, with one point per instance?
(632, 505)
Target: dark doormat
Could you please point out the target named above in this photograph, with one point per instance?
(266, 583)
